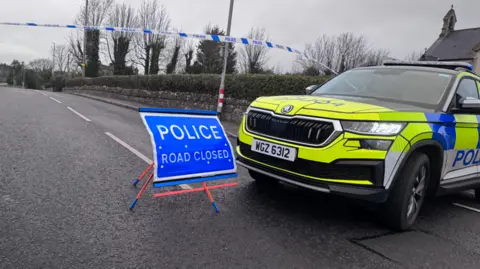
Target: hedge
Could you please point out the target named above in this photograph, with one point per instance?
(247, 87)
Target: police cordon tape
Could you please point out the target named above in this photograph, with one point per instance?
(216, 38)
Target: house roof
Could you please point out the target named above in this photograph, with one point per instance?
(459, 44)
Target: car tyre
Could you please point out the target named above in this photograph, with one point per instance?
(408, 194)
(262, 179)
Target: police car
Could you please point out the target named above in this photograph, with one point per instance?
(388, 134)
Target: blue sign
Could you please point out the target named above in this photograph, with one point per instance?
(187, 144)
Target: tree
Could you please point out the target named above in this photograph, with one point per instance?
(75, 48)
(119, 43)
(209, 54)
(15, 76)
(332, 54)
(4, 72)
(414, 56)
(323, 53)
(253, 58)
(376, 57)
(351, 51)
(40, 72)
(188, 50)
(172, 65)
(149, 46)
(61, 56)
(97, 14)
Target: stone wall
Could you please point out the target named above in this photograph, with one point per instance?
(232, 110)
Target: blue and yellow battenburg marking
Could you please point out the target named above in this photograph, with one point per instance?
(459, 133)
(455, 131)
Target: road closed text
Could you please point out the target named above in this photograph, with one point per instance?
(207, 155)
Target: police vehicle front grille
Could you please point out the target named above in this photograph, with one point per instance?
(296, 130)
(317, 169)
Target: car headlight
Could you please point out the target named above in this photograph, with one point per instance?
(373, 128)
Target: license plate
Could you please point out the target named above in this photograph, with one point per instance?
(274, 150)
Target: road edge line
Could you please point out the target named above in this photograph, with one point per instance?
(55, 100)
(78, 114)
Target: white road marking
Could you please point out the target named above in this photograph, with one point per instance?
(40, 92)
(467, 207)
(140, 155)
(55, 100)
(80, 115)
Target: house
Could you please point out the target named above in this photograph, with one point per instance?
(461, 45)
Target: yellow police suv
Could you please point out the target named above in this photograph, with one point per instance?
(387, 134)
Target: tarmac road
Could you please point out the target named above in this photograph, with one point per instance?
(65, 188)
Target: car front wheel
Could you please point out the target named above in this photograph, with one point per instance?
(408, 194)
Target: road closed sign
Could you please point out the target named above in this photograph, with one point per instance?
(187, 144)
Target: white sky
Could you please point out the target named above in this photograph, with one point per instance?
(399, 26)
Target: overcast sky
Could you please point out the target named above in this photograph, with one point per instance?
(399, 26)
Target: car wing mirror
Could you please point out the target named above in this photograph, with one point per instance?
(470, 103)
(310, 89)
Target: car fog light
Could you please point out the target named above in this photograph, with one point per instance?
(376, 144)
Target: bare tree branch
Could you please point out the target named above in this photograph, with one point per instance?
(119, 44)
(376, 57)
(414, 56)
(188, 52)
(97, 12)
(75, 47)
(60, 55)
(149, 47)
(252, 59)
(324, 53)
(339, 54)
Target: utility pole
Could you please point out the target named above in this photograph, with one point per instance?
(221, 92)
(85, 39)
(14, 77)
(53, 61)
(68, 66)
(23, 78)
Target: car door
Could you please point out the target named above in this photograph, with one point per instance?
(462, 162)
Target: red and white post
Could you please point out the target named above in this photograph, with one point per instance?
(225, 60)
(221, 94)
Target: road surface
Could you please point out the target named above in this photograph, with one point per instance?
(67, 163)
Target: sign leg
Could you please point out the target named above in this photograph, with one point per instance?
(144, 187)
(135, 181)
(210, 197)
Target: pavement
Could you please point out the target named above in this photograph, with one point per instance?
(66, 167)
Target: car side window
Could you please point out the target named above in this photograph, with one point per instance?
(467, 88)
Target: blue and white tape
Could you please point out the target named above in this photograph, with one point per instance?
(216, 38)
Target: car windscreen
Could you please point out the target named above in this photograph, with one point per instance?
(403, 85)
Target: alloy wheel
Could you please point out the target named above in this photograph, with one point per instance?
(417, 191)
